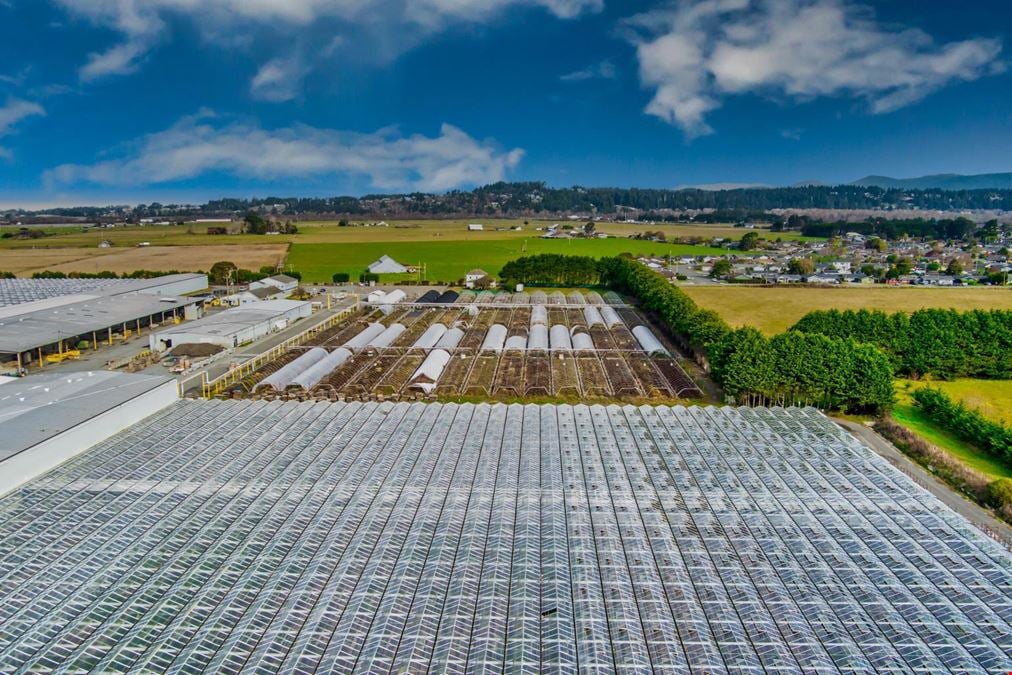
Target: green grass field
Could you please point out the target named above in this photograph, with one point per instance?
(774, 309)
(992, 397)
(451, 260)
(311, 232)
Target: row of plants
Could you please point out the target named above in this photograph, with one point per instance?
(941, 343)
(552, 270)
(996, 493)
(966, 423)
(791, 368)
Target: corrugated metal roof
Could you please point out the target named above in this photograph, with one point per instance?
(43, 327)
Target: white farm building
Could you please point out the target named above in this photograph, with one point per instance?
(234, 327)
(387, 265)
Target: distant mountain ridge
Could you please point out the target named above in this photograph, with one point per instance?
(941, 181)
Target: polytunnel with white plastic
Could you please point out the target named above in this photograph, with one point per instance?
(516, 342)
(559, 338)
(648, 341)
(538, 339)
(428, 374)
(312, 376)
(539, 315)
(431, 337)
(387, 337)
(450, 339)
(593, 316)
(611, 317)
(495, 338)
(582, 342)
(362, 340)
(290, 371)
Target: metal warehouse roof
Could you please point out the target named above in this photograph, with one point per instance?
(21, 291)
(39, 327)
(234, 321)
(363, 537)
(27, 405)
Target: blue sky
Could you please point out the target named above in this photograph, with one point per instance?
(182, 100)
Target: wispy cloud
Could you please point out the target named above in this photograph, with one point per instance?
(792, 134)
(203, 143)
(13, 112)
(605, 70)
(390, 26)
(278, 79)
(694, 54)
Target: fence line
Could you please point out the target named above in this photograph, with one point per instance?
(211, 388)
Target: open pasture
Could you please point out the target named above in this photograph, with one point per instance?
(157, 258)
(23, 262)
(451, 260)
(993, 398)
(775, 309)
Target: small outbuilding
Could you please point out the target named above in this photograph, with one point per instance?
(387, 265)
(282, 282)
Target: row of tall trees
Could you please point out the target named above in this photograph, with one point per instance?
(798, 369)
(941, 343)
(968, 424)
(885, 228)
(552, 270)
(791, 368)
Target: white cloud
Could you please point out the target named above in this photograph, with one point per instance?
(696, 53)
(397, 24)
(605, 70)
(11, 114)
(201, 144)
(278, 80)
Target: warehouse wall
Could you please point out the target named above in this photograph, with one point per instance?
(52, 452)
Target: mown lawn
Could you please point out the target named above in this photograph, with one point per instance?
(451, 260)
(992, 397)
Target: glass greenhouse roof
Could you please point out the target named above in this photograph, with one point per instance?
(363, 537)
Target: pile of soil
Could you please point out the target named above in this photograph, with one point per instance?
(197, 350)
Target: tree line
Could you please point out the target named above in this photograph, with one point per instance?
(550, 269)
(941, 343)
(537, 197)
(792, 368)
(968, 424)
(884, 228)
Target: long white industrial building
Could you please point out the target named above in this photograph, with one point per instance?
(234, 327)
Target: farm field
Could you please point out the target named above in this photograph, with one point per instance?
(311, 232)
(988, 396)
(158, 258)
(451, 260)
(25, 261)
(775, 309)
(993, 398)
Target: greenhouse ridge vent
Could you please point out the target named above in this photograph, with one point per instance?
(230, 536)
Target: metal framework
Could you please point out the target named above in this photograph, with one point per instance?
(283, 537)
